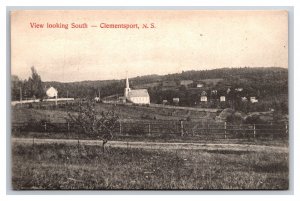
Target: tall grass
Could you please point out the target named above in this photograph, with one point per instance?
(58, 166)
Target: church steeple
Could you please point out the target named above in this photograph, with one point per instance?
(127, 82)
(127, 89)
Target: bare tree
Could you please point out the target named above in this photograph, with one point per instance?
(99, 125)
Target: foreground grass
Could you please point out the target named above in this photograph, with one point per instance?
(58, 166)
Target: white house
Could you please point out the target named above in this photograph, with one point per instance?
(239, 89)
(199, 85)
(222, 98)
(203, 98)
(253, 100)
(52, 92)
(165, 102)
(137, 96)
(175, 100)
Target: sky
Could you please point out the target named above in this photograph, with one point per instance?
(180, 41)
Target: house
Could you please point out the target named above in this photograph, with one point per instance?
(239, 89)
(137, 96)
(164, 102)
(175, 100)
(186, 82)
(253, 100)
(199, 85)
(52, 92)
(222, 98)
(203, 97)
(97, 99)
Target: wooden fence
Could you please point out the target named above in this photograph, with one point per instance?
(176, 128)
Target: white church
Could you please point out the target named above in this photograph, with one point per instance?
(137, 96)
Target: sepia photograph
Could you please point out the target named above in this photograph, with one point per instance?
(149, 100)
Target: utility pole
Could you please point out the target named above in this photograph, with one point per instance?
(21, 95)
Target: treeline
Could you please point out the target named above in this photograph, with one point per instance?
(31, 88)
(269, 85)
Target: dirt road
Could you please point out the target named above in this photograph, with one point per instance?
(157, 145)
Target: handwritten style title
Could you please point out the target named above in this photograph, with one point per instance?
(102, 25)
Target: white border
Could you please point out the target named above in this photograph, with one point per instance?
(3, 88)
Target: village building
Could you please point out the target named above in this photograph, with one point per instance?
(97, 99)
(176, 100)
(52, 92)
(253, 100)
(222, 98)
(165, 102)
(137, 96)
(203, 97)
(199, 85)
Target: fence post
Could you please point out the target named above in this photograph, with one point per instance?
(286, 129)
(254, 131)
(181, 126)
(149, 129)
(68, 127)
(33, 148)
(78, 147)
(120, 127)
(225, 127)
(208, 128)
(45, 126)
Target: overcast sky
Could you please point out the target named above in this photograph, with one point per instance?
(182, 40)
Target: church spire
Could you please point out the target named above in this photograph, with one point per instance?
(127, 89)
(127, 82)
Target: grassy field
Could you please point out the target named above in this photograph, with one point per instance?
(61, 166)
(124, 112)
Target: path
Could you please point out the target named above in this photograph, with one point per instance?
(158, 145)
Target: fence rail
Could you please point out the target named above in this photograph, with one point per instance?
(171, 128)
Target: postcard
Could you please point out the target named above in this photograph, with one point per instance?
(149, 100)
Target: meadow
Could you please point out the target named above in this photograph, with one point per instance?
(250, 163)
(71, 167)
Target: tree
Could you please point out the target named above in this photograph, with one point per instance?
(94, 124)
(16, 85)
(35, 84)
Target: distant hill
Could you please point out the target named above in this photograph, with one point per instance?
(268, 81)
